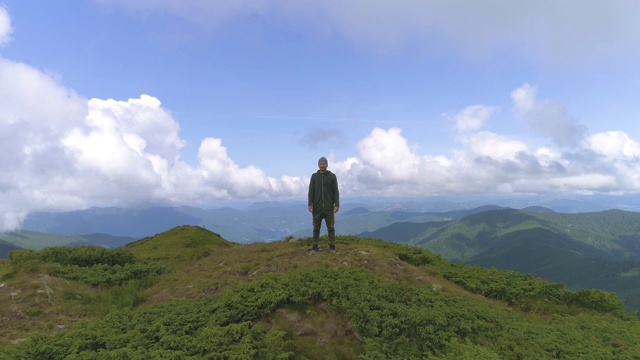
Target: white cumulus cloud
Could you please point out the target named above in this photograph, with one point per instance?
(488, 144)
(220, 172)
(614, 144)
(388, 155)
(473, 117)
(546, 118)
(63, 152)
(492, 163)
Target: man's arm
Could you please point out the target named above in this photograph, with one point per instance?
(310, 194)
(336, 195)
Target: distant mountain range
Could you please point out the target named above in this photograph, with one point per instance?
(255, 224)
(588, 250)
(6, 248)
(24, 239)
(272, 220)
(258, 223)
(584, 250)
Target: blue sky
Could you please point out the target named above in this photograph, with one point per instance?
(118, 102)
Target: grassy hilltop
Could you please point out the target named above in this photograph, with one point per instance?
(189, 294)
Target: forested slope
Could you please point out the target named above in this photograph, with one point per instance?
(588, 250)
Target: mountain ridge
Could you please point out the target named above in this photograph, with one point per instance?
(274, 220)
(589, 250)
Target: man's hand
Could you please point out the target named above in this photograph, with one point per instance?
(310, 208)
(335, 209)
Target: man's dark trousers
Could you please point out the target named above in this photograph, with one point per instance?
(330, 220)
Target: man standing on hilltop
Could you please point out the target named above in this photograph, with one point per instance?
(324, 202)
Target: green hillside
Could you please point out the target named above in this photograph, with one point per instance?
(36, 240)
(588, 250)
(189, 294)
(613, 233)
(616, 232)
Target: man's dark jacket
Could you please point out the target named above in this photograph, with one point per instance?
(323, 191)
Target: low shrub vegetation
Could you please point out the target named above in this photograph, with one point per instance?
(498, 315)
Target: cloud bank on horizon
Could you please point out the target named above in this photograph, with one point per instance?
(62, 151)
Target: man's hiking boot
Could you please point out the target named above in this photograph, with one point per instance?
(314, 249)
(332, 247)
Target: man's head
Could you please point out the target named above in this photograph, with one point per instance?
(322, 164)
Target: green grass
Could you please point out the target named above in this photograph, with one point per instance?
(371, 300)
